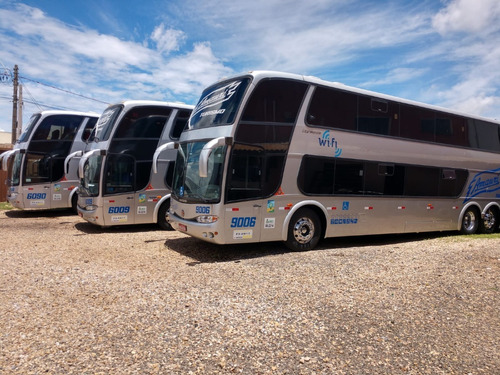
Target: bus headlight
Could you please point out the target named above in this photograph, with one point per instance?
(91, 207)
(207, 219)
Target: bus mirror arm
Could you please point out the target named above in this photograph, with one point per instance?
(159, 150)
(69, 157)
(207, 151)
(84, 158)
(4, 158)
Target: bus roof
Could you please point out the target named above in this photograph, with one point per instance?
(135, 103)
(263, 74)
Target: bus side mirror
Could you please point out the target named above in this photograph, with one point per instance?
(69, 157)
(6, 156)
(159, 150)
(207, 151)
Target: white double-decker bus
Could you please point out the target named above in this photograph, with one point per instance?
(272, 156)
(117, 186)
(38, 175)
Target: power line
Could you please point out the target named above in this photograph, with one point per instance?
(63, 90)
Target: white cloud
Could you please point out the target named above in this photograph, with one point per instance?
(469, 16)
(167, 40)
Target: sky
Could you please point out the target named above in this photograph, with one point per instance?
(85, 55)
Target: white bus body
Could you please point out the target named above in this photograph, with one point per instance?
(117, 186)
(272, 156)
(38, 175)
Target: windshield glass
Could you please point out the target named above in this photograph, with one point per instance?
(29, 128)
(188, 186)
(89, 185)
(14, 172)
(218, 104)
(105, 123)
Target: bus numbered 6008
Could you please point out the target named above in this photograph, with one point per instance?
(39, 175)
(271, 156)
(117, 186)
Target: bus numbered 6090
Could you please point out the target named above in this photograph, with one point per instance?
(271, 156)
(39, 176)
(117, 186)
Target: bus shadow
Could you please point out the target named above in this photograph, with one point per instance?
(88, 228)
(205, 252)
(26, 214)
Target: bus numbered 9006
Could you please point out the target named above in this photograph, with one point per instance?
(271, 156)
(39, 176)
(117, 186)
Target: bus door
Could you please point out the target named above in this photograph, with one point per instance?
(245, 187)
(118, 189)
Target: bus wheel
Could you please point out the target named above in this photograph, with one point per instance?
(470, 221)
(304, 230)
(74, 202)
(162, 216)
(489, 222)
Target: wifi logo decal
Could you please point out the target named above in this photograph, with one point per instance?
(326, 141)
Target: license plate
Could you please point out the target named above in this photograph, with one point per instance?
(183, 227)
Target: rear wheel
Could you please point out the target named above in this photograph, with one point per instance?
(470, 221)
(162, 216)
(304, 230)
(489, 222)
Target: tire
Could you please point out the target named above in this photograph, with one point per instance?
(162, 216)
(74, 203)
(470, 221)
(304, 230)
(489, 222)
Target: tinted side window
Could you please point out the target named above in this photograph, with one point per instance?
(89, 126)
(378, 116)
(179, 124)
(417, 123)
(316, 175)
(275, 101)
(330, 176)
(487, 136)
(332, 108)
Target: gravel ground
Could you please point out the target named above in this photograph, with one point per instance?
(77, 299)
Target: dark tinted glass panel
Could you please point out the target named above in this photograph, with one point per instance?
(180, 124)
(143, 122)
(488, 135)
(377, 116)
(452, 182)
(275, 101)
(89, 126)
(332, 109)
(421, 181)
(254, 172)
(349, 176)
(316, 175)
(119, 174)
(245, 173)
(377, 179)
(417, 123)
(383, 179)
(451, 130)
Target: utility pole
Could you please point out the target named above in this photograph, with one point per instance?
(14, 105)
(20, 113)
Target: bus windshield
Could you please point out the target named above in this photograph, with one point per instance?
(91, 176)
(15, 172)
(29, 128)
(218, 104)
(188, 186)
